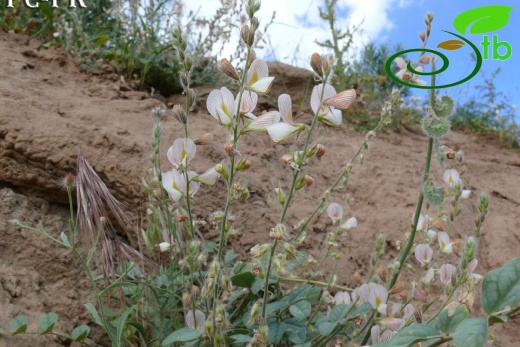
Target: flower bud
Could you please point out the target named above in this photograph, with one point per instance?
(255, 313)
(228, 69)
(204, 139)
(69, 181)
(280, 196)
(382, 273)
(398, 287)
(191, 98)
(483, 203)
(258, 250)
(278, 266)
(257, 270)
(179, 115)
(425, 60)
(422, 36)
(286, 158)
(358, 277)
(301, 183)
(185, 80)
(292, 253)
(247, 35)
(188, 63)
(195, 292)
(308, 180)
(459, 156)
(316, 64)
(278, 232)
(243, 164)
(221, 169)
(252, 57)
(186, 299)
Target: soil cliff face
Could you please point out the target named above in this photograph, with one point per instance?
(50, 109)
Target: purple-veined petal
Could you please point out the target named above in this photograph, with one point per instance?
(472, 266)
(181, 152)
(316, 95)
(198, 321)
(280, 131)
(375, 334)
(248, 104)
(221, 105)
(423, 253)
(257, 71)
(285, 108)
(335, 212)
(262, 122)
(408, 310)
(428, 278)
(394, 324)
(446, 273)
(343, 100)
(387, 336)
(401, 63)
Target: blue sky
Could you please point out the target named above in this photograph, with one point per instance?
(291, 38)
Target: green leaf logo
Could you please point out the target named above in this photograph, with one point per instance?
(482, 19)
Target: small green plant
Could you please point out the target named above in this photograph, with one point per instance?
(183, 289)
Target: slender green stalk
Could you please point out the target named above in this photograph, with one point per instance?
(411, 238)
(290, 197)
(318, 283)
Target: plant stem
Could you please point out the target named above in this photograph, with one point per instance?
(318, 283)
(418, 208)
(303, 158)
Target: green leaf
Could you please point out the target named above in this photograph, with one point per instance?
(412, 334)
(93, 314)
(65, 240)
(182, 335)
(308, 344)
(444, 106)
(492, 320)
(501, 287)
(230, 256)
(435, 127)
(101, 40)
(243, 280)
(483, 19)
(80, 333)
(276, 331)
(298, 336)
(118, 284)
(121, 322)
(325, 328)
(313, 294)
(48, 322)
(139, 327)
(3, 332)
(434, 195)
(448, 324)
(239, 338)
(301, 309)
(471, 332)
(339, 312)
(19, 324)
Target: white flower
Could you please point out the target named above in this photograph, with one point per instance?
(378, 297)
(349, 223)
(257, 77)
(431, 234)
(261, 123)
(342, 298)
(452, 178)
(444, 242)
(428, 278)
(394, 324)
(175, 184)
(209, 177)
(335, 212)
(326, 114)
(465, 194)
(199, 320)
(423, 253)
(281, 131)
(221, 105)
(248, 104)
(341, 101)
(421, 222)
(164, 246)
(446, 273)
(406, 76)
(181, 152)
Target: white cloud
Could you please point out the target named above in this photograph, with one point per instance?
(297, 24)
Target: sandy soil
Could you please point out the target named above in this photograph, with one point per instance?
(50, 108)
